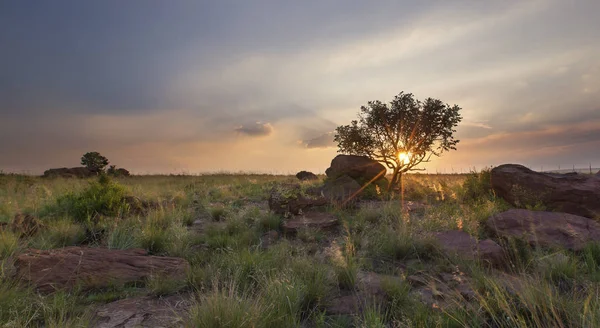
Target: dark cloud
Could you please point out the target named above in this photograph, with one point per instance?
(257, 129)
(323, 141)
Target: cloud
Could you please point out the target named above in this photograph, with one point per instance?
(257, 129)
(323, 141)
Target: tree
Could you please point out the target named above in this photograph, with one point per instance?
(402, 134)
(94, 161)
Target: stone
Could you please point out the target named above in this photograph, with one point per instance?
(65, 172)
(368, 290)
(269, 238)
(577, 194)
(144, 311)
(356, 167)
(315, 220)
(443, 290)
(456, 242)
(289, 200)
(545, 229)
(342, 189)
(25, 225)
(65, 268)
(306, 176)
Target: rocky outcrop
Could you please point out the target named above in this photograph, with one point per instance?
(356, 167)
(25, 225)
(65, 268)
(290, 200)
(341, 189)
(577, 194)
(545, 229)
(306, 176)
(144, 311)
(349, 173)
(65, 172)
(315, 220)
(455, 242)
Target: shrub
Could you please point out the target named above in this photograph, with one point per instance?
(103, 197)
(477, 186)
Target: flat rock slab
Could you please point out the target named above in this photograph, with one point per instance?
(316, 220)
(65, 268)
(577, 194)
(146, 311)
(460, 243)
(545, 229)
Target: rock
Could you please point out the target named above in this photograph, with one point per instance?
(345, 305)
(289, 199)
(306, 176)
(368, 290)
(444, 290)
(269, 238)
(145, 311)
(121, 172)
(356, 167)
(25, 225)
(545, 229)
(74, 172)
(316, 220)
(67, 267)
(341, 189)
(576, 194)
(139, 206)
(460, 243)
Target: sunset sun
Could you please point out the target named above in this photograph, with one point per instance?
(404, 157)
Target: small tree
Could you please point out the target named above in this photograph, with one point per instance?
(94, 161)
(401, 135)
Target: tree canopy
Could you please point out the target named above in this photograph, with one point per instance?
(94, 161)
(402, 134)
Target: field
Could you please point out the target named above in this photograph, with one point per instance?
(246, 271)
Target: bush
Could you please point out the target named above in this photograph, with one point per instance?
(477, 186)
(102, 197)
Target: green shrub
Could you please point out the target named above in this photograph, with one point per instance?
(103, 197)
(477, 186)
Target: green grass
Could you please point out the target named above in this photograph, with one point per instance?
(239, 282)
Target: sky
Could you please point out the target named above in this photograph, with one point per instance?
(259, 86)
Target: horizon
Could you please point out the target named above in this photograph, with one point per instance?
(231, 86)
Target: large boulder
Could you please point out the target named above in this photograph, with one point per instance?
(545, 229)
(577, 194)
(65, 172)
(356, 167)
(306, 176)
(291, 200)
(65, 268)
(341, 189)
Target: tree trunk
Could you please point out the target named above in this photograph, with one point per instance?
(392, 182)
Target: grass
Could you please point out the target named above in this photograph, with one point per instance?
(238, 282)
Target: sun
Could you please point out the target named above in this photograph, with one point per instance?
(404, 157)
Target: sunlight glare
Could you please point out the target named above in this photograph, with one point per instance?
(404, 157)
